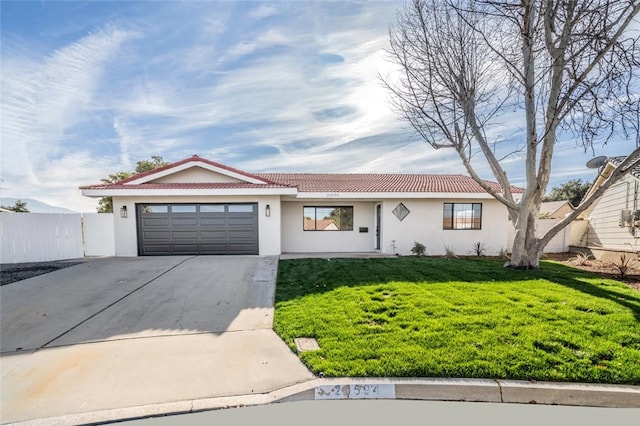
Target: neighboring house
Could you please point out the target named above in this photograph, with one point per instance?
(614, 219)
(197, 206)
(555, 209)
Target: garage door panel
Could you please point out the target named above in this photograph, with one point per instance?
(184, 235)
(185, 248)
(197, 229)
(243, 248)
(214, 235)
(155, 221)
(184, 221)
(214, 248)
(241, 221)
(157, 248)
(156, 235)
(242, 234)
(213, 221)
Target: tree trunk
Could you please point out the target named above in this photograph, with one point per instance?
(526, 250)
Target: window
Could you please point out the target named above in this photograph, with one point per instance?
(241, 208)
(155, 208)
(181, 208)
(211, 208)
(327, 218)
(462, 216)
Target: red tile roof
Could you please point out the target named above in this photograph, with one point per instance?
(195, 185)
(316, 182)
(326, 182)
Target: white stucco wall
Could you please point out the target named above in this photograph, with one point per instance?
(424, 225)
(296, 240)
(126, 235)
(195, 174)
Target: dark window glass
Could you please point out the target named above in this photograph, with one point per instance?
(181, 208)
(323, 218)
(155, 208)
(462, 216)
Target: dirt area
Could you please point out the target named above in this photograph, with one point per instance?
(10, 273)
(602, 268)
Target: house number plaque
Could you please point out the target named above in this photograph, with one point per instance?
(360, 391)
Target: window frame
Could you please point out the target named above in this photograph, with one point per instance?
(315, 218)
(452, 221)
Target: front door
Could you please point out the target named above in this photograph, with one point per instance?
(378, 223)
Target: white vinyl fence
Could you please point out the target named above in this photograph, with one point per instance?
(570, 235)
(98, 233)
(41, 237)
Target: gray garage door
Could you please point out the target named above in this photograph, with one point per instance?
(197, 229)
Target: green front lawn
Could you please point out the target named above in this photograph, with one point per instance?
(467, 317)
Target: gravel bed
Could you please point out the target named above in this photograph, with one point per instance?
(13, 272)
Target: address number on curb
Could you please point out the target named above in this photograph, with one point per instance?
(373, 391)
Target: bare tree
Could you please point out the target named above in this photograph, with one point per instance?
(558, 65)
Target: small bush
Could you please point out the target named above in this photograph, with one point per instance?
(478, 249)
(580, 259)
(504, 254)
(449, 253)
(418, 249)
(623, 264)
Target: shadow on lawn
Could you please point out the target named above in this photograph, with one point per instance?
(302, 277)
(567, 276)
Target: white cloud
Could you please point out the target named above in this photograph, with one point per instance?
(218, 80)
(41, 99)
(263, 11)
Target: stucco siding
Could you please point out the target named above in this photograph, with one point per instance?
(604, 230)
(297, 240)
(424, 225)
(195, 174)
(126, 236)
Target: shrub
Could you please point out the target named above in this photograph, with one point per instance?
(504, 254)
(623, 264)
(418, 249)
(580, 259)
(478, 248)
(449, 253)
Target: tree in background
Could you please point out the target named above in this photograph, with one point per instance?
(105, 204)
(573, 191)
(466, 67)
(19, 207)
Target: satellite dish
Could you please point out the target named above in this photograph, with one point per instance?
(597, 162)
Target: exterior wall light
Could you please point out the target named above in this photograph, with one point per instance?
(267, 211)
(123, 211)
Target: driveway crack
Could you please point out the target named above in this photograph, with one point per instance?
(184, 307)
(115, 302)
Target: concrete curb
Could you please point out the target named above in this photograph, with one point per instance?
(470, 390)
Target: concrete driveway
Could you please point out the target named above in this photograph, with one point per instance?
(124, 332)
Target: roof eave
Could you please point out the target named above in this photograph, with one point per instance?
(393, 195)
(136, 192)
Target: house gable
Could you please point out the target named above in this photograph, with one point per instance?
(173, 173)
(196, 174)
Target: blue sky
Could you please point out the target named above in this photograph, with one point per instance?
(89, 88)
